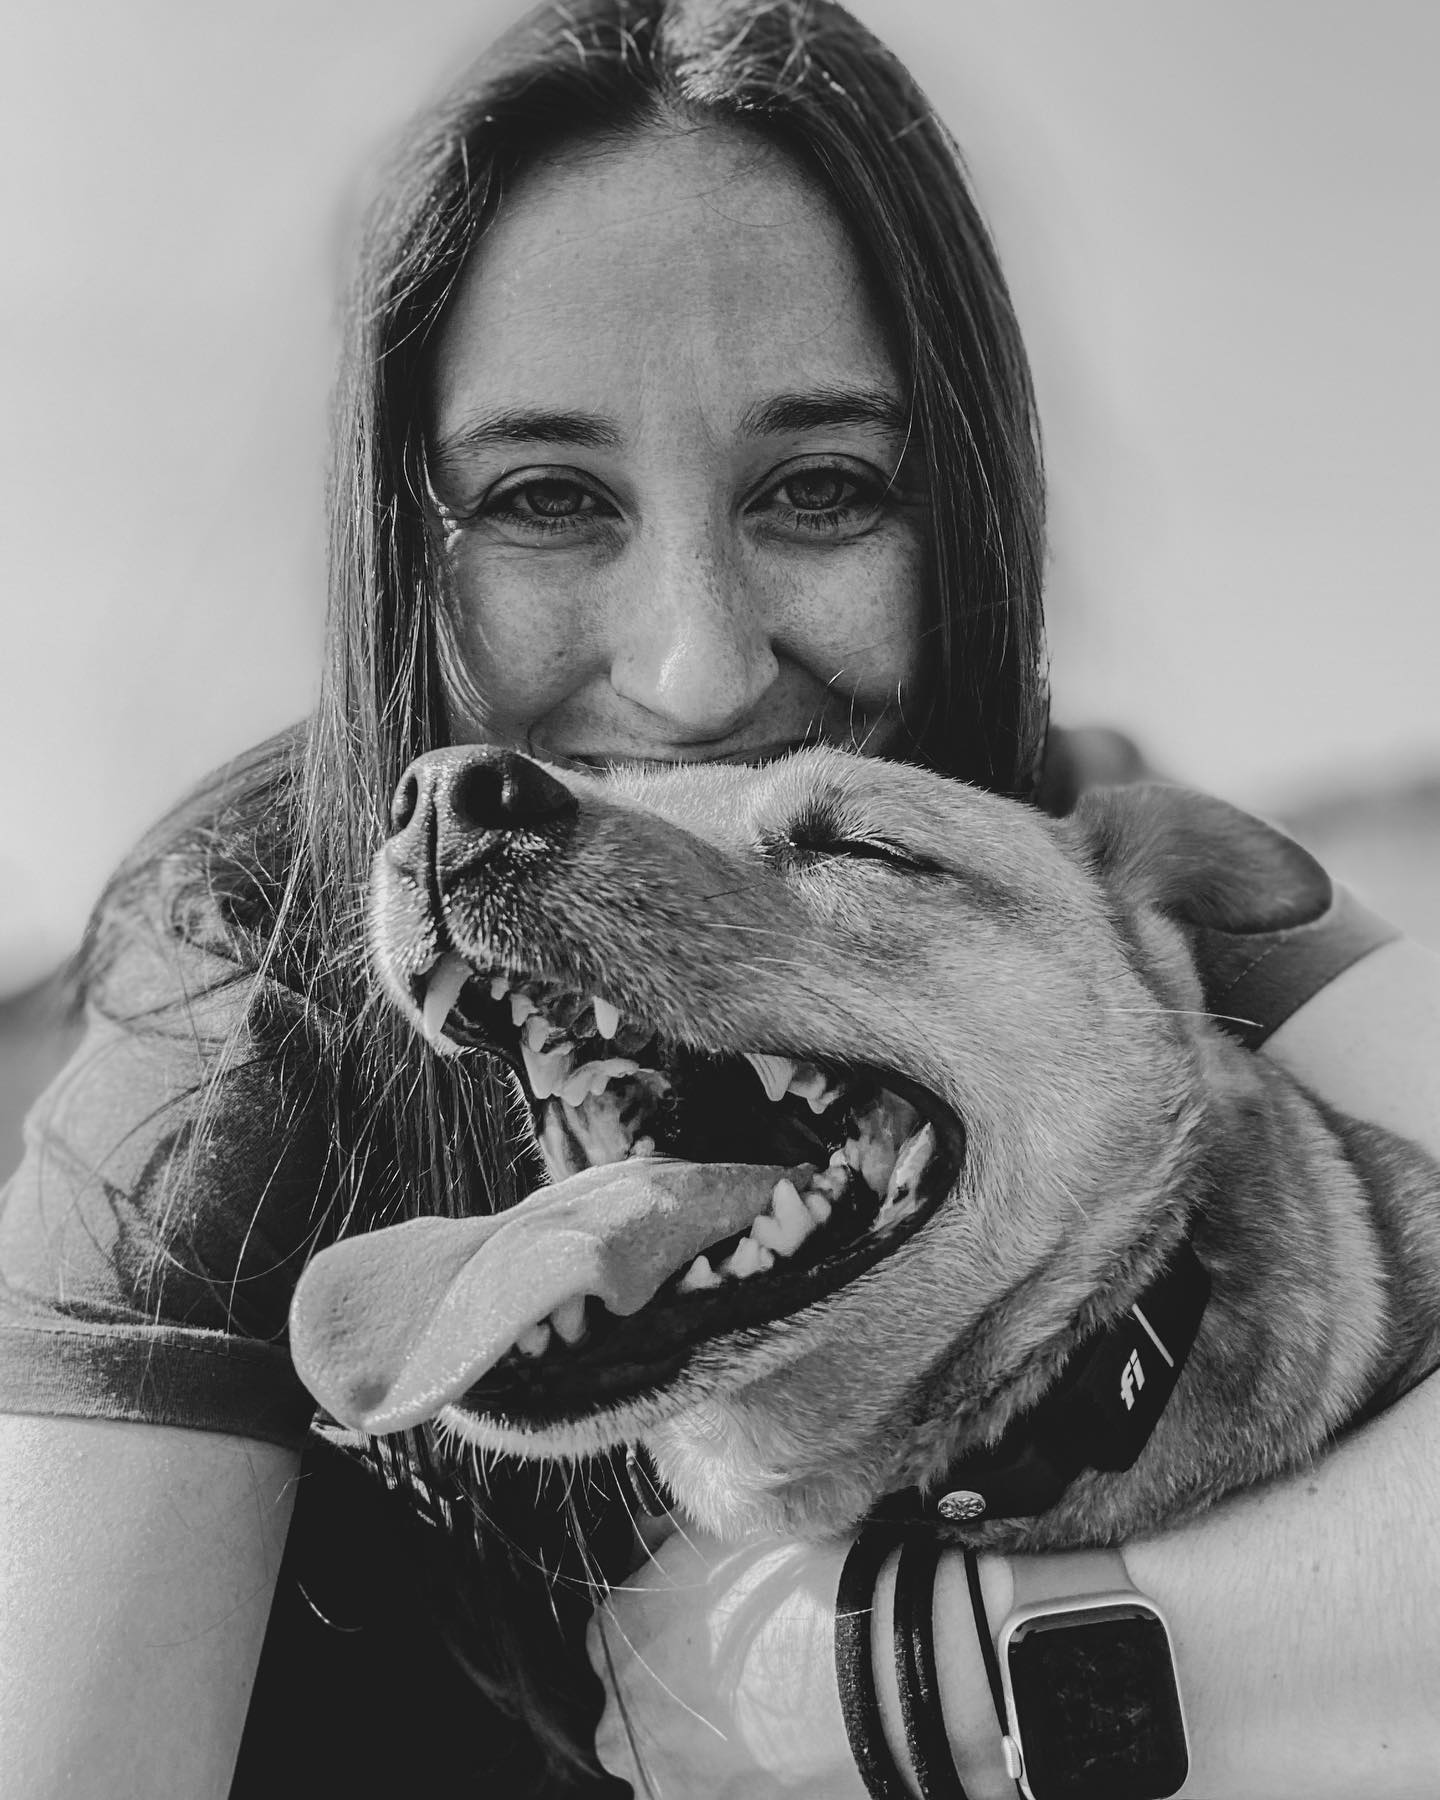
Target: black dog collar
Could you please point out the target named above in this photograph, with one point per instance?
(1098, 1414)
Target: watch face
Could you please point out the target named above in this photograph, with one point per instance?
(1097, 1705)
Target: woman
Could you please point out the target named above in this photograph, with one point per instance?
(684, 415)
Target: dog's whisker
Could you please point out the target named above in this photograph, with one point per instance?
(643, 1662)
(1074, 1200)
(636, 1755)
(1185, 1012)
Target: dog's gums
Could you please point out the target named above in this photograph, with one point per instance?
(865, 1164)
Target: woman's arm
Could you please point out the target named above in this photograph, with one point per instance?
(137, 1564)
(1306, 1617)
(1306, 1614)
(1369, 1043)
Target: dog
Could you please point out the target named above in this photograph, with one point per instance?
(869, 1100)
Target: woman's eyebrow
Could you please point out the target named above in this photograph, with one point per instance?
(817, 409)
(823, 408)
(528, 425)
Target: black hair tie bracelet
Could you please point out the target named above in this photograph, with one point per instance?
(987, 1642)
(854, 1669)
(925, 1735)
(916, 1676)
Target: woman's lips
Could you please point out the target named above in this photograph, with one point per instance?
(649, 758)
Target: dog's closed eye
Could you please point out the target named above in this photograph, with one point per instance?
(822, 832)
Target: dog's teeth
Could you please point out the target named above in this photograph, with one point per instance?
(818, 1204)
(537, 1029)
(877, 1166)
(568, 1319)
(499, 986)
(775, 1073)
(643, 1146)
(593, 1078)
(787, 1224)
(521, 1007)
(598, 1130)
(442, 991)
(607, 1017)
(534, 1340)
(813, 1086)
(699, 1276)
(606, 1069)
(790, 1210)
(775, 1239)
(546, 1073)
(872, 1159)
(579, 1086)
(747, 1258)
(832, 1183)
(910, 1165)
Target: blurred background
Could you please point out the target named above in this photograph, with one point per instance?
(1219, 220)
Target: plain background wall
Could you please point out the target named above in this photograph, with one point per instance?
(1219, 221)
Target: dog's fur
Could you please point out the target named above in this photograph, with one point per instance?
(1037, 978)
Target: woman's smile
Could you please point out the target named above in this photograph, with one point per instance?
(668, 459)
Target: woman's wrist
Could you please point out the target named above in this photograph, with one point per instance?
(968, 1706)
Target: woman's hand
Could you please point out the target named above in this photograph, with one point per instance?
(719, 1666)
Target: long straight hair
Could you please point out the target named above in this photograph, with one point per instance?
(807, 76)
(414, 1135)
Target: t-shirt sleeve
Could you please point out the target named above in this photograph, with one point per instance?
(172, 1180)
(1255, 981)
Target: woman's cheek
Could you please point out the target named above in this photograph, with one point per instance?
(857, 617)
(521, 631)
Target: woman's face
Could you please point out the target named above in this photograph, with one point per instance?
(668, 453)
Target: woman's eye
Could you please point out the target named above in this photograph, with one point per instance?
(554, 499)
(546, 504)
(822, 499)
(818, 490)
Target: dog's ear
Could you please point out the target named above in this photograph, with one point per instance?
(1200, 859)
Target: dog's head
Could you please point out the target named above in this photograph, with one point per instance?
(860, 1087)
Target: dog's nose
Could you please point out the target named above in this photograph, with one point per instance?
(447, 798)
(480, 790)
(504, 791)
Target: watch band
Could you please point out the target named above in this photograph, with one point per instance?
(1068, 1575)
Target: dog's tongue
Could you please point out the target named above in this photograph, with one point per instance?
(387, 1328)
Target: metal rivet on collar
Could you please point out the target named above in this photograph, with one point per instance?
(961, 1505)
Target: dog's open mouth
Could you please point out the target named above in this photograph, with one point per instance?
(868, 1156)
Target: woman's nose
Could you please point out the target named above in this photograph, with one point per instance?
(693, 644)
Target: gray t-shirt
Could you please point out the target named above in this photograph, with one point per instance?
(172, 1182)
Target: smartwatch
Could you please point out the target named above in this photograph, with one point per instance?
(1087, 1673)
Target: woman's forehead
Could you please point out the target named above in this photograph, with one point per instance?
(700, 263)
